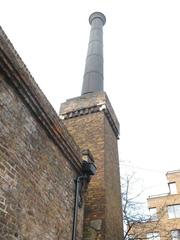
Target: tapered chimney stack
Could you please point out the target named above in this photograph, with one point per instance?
(92, 122)
(93, 75)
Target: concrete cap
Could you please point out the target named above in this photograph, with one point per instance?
(97, 15)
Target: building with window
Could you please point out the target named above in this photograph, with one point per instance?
(164, 213)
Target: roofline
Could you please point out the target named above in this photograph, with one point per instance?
(173, 171)
(159, 195)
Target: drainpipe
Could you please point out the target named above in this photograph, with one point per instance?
(88, 169)
(78, 180)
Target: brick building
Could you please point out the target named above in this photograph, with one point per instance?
(164, 212)
(46, 160)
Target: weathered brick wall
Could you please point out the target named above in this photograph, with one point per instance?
(114, 219)
(36, 180)
(39, 159)
(92, 137)
(91, 129)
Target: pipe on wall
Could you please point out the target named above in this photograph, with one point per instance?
(78, 181)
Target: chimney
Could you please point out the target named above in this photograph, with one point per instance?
(91, 121)
(93, 75)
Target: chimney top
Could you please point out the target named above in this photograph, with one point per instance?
(99, 15)
(93, 74)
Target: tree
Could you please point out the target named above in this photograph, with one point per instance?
(132, 206)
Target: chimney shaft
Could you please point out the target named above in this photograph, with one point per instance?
(93, 75)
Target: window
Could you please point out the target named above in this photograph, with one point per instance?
(153, 214)
(175, 235)
(153, 236)
(172, 188)
(174, 211)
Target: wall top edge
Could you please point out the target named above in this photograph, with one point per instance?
(20, 78)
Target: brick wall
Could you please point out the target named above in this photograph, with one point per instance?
(39, 160)
(174, 176)
(113, 192)
(86, 137)
(91, 129)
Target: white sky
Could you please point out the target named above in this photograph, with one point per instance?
(142, 68)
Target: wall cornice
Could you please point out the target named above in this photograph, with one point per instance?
(93, 109)
(88, 104)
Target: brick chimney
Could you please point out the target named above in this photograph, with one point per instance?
(92, 122)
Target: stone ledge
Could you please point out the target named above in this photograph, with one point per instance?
(20, 78)
(93, 109)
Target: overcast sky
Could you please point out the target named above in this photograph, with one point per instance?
(141, 72)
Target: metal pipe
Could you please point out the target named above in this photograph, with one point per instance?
(93, 74)
(78, 181)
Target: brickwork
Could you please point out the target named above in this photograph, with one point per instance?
(37, 182)
(174, 176)
(86, 120)
(112, 180)
(95, 202)
(39, 160)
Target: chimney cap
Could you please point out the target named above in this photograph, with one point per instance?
(97, 15)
